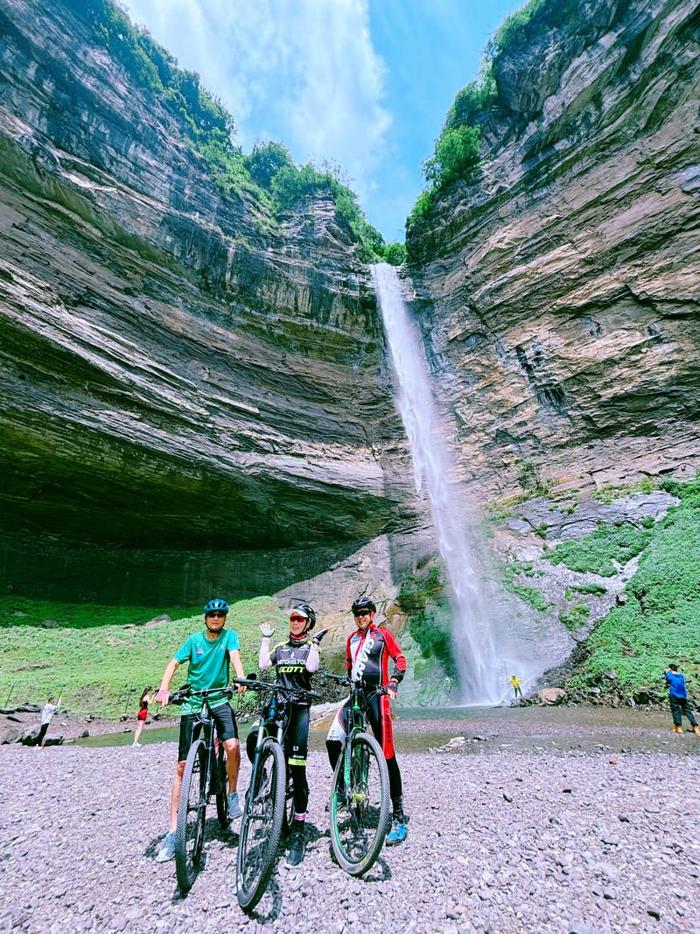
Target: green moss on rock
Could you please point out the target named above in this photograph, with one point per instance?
(597, 552)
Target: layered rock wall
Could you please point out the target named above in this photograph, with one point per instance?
(559, 295)
(180, 370)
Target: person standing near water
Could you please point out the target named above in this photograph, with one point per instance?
(515, 684)
(48, 712)
(142, 715)
(678, 699)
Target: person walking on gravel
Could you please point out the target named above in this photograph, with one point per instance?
(367, 655)
(142, 715)
(678, 699)
(208, 655)
(295, 661)
(48, 711)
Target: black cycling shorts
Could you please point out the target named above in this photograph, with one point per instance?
(296, 737)
(226, 727)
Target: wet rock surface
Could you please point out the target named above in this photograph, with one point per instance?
(536, 840)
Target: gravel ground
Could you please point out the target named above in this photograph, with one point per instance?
(575, 841)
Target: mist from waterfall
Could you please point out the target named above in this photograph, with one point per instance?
(482, 675)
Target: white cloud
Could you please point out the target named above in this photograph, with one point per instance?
(305, 68)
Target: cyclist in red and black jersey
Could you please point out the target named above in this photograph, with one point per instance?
(368, 652)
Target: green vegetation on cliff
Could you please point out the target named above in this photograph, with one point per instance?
(528, 594)
(577, 616)
(100, 664)
(268, 173)
(596, 552)
(422, 598)
(660, 622)
(457, 150)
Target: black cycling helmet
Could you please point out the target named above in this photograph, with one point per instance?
(363, 603)
(305, 610)
(217, 604)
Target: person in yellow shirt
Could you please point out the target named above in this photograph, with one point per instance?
(515, 684)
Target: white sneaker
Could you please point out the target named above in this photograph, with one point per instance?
(234, 806)
(167, 850)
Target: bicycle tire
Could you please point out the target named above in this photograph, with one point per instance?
(355, 862)
(264, 809)
(221, 787)
(189, 834)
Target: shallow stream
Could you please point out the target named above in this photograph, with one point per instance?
(492, 730)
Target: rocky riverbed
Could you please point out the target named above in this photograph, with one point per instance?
(534, 837)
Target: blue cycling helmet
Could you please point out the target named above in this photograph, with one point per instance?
(216, 604)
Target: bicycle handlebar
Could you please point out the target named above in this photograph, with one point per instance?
(180, 696)
(276, 687)
(344, 679)
(184, 693)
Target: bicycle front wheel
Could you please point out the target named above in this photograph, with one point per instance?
(360, 813)
(221, 787)
(191, 812)
(261, 826)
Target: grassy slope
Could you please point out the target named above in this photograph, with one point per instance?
(95, 660)
(660, 623)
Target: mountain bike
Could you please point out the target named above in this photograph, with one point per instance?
(205, 775)
(268, 794)
(360, 804)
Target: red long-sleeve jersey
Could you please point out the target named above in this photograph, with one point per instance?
(368, 653)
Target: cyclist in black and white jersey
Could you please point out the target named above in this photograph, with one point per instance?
(295, 660)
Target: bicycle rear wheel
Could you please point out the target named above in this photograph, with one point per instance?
(261, 826)
(191, 813)
(221, 787)
(361, 813)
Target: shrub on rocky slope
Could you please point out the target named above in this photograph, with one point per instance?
(660, 622)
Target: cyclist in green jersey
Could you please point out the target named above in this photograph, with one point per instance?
(208, 655)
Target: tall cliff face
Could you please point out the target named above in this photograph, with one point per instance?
(180, 371)
(559, 293)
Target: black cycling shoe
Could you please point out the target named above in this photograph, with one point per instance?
(297, 844)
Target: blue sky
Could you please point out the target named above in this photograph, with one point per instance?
(364, 83)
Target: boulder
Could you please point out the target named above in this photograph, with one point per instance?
(29, 736)
(551, 695)
(49, 623)
(10, 732)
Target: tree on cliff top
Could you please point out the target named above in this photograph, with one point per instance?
(268, 172)
(456, 154)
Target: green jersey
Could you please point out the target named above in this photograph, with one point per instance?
(208, 664)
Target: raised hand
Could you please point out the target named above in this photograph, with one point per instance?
(319, 635)
(267, 629)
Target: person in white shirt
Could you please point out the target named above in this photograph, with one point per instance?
(47, 714)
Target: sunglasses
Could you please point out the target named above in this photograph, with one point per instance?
(216, 613)
(361, 613)
(298, 619)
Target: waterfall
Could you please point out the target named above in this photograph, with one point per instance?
(482, 675)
